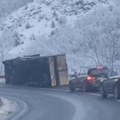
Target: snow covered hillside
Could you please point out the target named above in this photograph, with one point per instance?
(87, 31)
(8, 6)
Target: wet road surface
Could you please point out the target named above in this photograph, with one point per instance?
(58, 104)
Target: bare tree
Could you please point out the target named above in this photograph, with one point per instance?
(105, 46)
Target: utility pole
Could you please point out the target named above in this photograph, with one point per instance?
(2, 48)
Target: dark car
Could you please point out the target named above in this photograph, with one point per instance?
(89, 82)
(111, 85)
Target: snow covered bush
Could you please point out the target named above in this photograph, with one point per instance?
(62, 20)
(17, 39)
(53, 24)
(40, 17)
(27, 25)
(32, 37)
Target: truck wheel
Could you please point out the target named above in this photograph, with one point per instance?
(102, 92)
(72, 89)
(84, 87)
(116, 92)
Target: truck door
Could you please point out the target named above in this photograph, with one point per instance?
(56, 72)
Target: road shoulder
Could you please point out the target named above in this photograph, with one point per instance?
(7, 108)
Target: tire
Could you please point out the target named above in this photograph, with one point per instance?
(84, 87)
(116, 92)
(71, 89)
(102, 92)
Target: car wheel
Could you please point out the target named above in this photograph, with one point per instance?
(84, 87)
(102, 92)
(71, 89)
(116, 92)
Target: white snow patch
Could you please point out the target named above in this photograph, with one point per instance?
(71, 20)
(7, 109)
(18, 50)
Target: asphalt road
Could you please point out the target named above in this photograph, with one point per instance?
(47, 104)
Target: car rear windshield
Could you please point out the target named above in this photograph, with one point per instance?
(98, 72)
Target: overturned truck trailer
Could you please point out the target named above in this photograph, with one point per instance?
(47, 71)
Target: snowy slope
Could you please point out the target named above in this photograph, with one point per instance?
(52, 27)
(8, 6)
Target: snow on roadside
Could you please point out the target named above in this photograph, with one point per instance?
(2, 81)
(8, 108)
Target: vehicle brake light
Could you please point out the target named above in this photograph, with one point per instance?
(119, 79)
(89, 78)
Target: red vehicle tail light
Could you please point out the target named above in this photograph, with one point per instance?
(119, 80)
(90, 78)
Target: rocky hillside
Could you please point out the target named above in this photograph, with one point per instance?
(79, 28)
